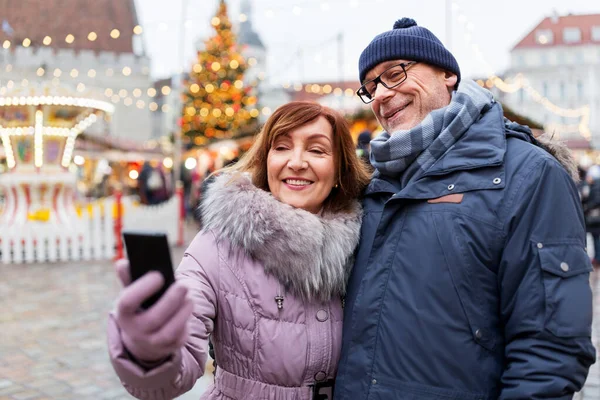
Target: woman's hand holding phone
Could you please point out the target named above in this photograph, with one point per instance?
(152, 334)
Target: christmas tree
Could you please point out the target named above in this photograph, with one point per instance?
(218, 103)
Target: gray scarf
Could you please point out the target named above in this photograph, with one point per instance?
(411, 152)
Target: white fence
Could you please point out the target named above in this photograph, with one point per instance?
(163, 217)
(89, 234)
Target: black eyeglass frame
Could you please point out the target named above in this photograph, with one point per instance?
(362, 91)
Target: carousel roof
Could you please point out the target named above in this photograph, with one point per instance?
(36, 19)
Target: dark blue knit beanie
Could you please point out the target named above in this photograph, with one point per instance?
(407, 41)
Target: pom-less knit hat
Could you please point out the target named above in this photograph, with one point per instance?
(407, 41)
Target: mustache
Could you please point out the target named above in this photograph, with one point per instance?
(390, 110)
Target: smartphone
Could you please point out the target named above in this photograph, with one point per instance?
(149, 251)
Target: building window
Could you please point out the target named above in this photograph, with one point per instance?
(544, 59)
(521, 60)
(545, 89)
(572, 35)
(562, 91)
(544, 36)
(596, 33)
(138, 45)
(580, 90)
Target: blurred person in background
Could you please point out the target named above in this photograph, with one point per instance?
(152, 185)
(265, 277)
(203, 188)
(471, 278)
(591, 206)
(363, 146)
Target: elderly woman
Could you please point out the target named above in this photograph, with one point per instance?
(265, 277)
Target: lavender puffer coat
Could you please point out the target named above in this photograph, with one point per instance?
(252, 250)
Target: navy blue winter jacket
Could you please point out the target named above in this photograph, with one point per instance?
(484, 294)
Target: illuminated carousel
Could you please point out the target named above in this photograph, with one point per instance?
(38, 129)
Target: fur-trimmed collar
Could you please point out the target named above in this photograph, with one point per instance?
(309, 254)
(557, 149)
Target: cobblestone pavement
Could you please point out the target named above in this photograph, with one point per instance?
(52, 333)
(591, 390)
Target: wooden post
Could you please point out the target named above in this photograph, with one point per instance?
(118, 224)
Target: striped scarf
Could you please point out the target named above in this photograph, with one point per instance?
(411, 152)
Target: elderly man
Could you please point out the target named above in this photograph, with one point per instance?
(471, 280)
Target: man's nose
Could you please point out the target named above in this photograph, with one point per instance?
(382, 93)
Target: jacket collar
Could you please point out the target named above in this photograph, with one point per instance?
(483, 145)
(309, 254)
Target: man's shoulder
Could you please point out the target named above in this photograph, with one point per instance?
(523, 157)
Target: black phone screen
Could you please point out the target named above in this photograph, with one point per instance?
(149, 251)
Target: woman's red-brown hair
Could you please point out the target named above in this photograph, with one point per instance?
(351, 173)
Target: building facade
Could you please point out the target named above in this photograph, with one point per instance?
(554, 78)
(254, 50)
(94, 51)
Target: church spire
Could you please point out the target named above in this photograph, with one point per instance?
(247, 35)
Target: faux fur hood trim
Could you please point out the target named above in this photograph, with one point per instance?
(562, 154)
(558, 150)
(310, 255)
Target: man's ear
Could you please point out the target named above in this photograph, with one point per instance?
(450, 78)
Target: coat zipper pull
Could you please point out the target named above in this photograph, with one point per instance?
(279, 301)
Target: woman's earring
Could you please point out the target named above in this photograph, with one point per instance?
(336, 186)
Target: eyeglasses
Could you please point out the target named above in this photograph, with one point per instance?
(390, 78)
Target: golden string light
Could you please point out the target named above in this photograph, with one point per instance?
(165, 90)
(74, 73)
(138, 30)
(519, 82)
(70, 38)
(10, 157)
(270, 12)
(38, 131)
(38, 138)
(57, 100)
(126, 71)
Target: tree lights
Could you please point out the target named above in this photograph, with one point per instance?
(217, 102)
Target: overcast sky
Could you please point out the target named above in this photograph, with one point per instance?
(310, 27)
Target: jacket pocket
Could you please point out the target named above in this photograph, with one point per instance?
(565, 274)
(467, 282)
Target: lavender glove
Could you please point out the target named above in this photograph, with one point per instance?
(156, 333)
